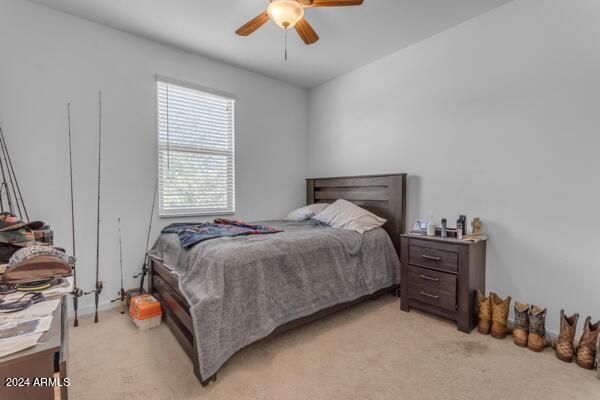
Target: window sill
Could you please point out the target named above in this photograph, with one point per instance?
(196, 214)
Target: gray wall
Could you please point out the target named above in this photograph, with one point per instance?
(49, 59)
(497, 118)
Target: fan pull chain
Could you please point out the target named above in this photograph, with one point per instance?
(285, 43)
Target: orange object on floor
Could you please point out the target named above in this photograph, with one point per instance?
(145, 311)
(144, 307)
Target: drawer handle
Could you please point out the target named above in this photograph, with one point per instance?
(429, 278)
(431, 258)
(429, 295)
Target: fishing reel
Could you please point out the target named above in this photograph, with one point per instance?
(143, 273)
(76, 293)
(138, 291)
(122, 297)
(98, 290)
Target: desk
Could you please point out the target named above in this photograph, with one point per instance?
(43, 360)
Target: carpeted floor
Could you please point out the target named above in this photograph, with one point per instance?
(372, 351)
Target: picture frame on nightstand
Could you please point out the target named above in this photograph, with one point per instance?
(420, 227)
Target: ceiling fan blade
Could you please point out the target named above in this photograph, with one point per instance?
(335, 3)
(306, 32)
(252, 25)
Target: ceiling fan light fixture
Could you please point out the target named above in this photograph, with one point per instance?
(285, 13)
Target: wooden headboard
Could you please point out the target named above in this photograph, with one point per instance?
(383, 195)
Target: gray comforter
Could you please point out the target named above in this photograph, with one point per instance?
(240, 289)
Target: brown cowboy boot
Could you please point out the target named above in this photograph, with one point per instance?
(598, 360)
(586, 352)
(564, 347)
(537, 329)
(521, 324)
(500, 310)
(485, 313)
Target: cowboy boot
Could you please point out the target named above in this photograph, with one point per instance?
(537, 329)
(521, 324)
(586, 352)
(485, 313)
(500, 310)
(564, 347)
(598, 360)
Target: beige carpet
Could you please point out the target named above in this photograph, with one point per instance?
(372, 351)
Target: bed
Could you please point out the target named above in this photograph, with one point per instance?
(224, 294)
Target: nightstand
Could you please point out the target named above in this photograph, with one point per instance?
(441, 276)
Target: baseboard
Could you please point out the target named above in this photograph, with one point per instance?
(90, 309)
(550, 335)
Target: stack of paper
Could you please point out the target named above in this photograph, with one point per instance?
(22, 329)
(12, 329)
(18, 343)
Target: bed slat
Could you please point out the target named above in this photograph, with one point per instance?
(352, 181)
(174, 302)
(382, 195)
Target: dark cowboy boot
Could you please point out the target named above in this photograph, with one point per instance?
(500, 310)
(537, 329)
(521, 330)
(586, 352)
(485, 313)
(564, 347)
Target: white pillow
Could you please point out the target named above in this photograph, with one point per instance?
(346, 215)
(307, 212)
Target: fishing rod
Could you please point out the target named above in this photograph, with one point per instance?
(10, 177)
(4, 183)
(1, 200)
(12, 172)
(98, 281)
(77, 292)
(99, 285)
(122, 291)
(145, 263)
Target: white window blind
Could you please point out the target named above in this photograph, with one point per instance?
(195, 151)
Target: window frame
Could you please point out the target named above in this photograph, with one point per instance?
(209, 92)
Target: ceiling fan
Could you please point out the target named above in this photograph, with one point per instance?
(290, 14)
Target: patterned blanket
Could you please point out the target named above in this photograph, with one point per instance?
(191, 234)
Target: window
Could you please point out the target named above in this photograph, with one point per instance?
(195, 151)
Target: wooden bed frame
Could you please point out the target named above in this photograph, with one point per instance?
(384, 195)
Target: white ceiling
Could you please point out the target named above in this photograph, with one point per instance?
(350, 36)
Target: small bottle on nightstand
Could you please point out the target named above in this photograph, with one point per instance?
(431, 228)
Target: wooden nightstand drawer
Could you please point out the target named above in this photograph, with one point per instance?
(435, 297)
(431, 278)
(433, 258)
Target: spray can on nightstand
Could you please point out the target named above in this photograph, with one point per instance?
(463, 223)
(444, 228)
